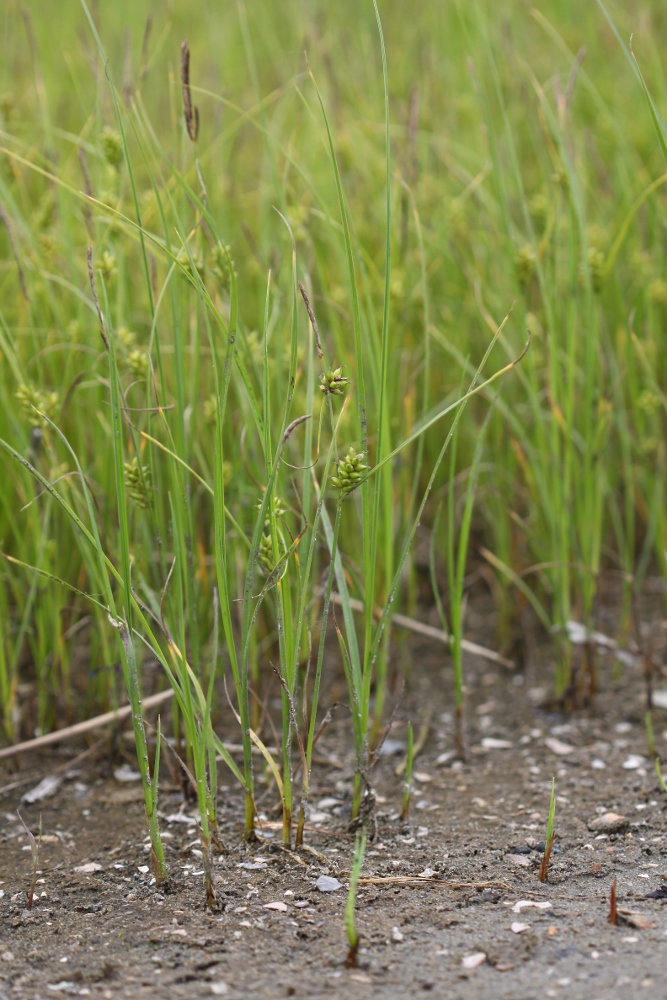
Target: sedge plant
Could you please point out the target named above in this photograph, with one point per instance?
(160, 485)
(457, 541)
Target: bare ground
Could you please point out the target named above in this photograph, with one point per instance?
(444, 886)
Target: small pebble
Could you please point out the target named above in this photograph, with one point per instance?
(475, 960)
(326, 883)
(520, 860)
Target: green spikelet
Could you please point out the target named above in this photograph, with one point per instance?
(112, 147)
(30, 396)
(138, 483)
(333, 382)
(349, 470)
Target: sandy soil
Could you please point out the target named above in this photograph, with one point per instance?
(457, 880)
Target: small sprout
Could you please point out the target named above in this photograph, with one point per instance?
(34, 851)
(663, 783)
(138, 483)
(333, 382)
(31, 398)
(350, 926)
(613, 910)
(138, 364)
(112, 147)
(408, 774)
(525, 261)
(650, 737)
(543, 873)
(349, 471)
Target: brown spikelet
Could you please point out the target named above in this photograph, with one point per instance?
(311, 317)
(191, 113)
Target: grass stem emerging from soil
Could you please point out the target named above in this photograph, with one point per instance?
(350, 922)
(543, 873)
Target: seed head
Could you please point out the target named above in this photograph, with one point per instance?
(138, 483)
(128, 338)
(595, 267)
(657, 292)
(539, 207)
(137, 362)
(279, 510)
(30, 396)
(266, 552)
(48, 246)
(649, 402)
(108, 266)
(349, 471)
(112, 147)
(525, 265)
(191, 262)
(333, 382)
(211, 410)
(222, 264)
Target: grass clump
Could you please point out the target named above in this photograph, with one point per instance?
(196, 464)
